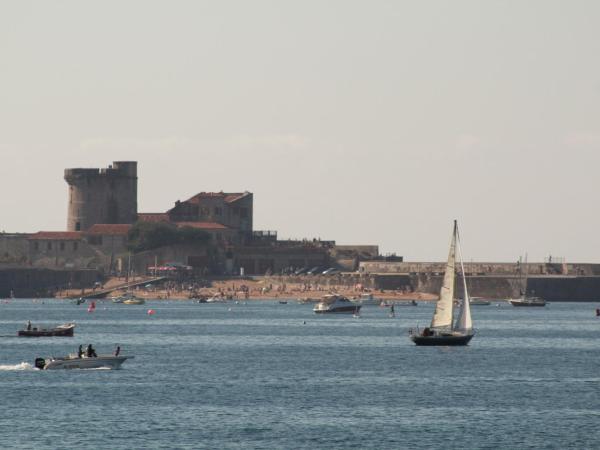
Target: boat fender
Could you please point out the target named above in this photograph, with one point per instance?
(40, 363)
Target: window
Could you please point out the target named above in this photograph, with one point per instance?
(36, 246)
(62, 246)
(243, 213)
(75, 246)
(49, 245)
(77, 226)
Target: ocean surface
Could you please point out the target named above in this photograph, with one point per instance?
(266, 375)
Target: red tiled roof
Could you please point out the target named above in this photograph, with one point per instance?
(110, 228)
(153, 217)
(203, 225)
(57, 235)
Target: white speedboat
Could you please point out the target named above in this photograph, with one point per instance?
(334, 303)
(74, 362)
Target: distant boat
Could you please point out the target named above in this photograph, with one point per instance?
(122, 298)
(283, 302)
(479, 301)
(367, 299)
(65, 329)
(334, 303)
(443, 329)
(134, 301)
(526, 300)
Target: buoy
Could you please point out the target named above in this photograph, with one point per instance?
(151, 312)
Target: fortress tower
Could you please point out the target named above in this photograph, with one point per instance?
(102, 195)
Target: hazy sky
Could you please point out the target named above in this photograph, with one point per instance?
(373, 122)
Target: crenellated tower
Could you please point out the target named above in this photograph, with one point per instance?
(102, 195)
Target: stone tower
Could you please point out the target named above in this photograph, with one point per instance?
(102, 195)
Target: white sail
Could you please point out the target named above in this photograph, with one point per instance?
(463, 321)
(442, 317)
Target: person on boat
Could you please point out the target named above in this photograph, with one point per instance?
(80, 352)
(29, 325)
(90, 352)
(118, 350)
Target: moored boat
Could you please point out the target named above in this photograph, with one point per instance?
(367, 299)
(134, 301)
(123, 298)
(527, 301)
(334, 303)
(65, 329)
(479, 301)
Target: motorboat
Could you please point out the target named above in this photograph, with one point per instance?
(73, 361)
(527, 301)
(215, 299)
(334, 303)
(134, 301)
(66, 329)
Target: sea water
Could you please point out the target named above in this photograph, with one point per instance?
(266, 375)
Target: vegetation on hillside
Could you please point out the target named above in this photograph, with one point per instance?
(146, 236)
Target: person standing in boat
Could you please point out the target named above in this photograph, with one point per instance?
(91, 353)
(29, 325)
(117, 350)
(80, 352)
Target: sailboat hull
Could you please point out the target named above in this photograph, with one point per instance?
(442, 339)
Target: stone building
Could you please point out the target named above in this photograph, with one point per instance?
(107, 196)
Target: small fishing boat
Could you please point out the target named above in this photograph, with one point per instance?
(73, 361)
(444, 330)
(334, 303)
(65, 329)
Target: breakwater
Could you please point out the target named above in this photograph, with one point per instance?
(35, 282)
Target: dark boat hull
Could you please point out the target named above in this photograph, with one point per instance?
(442, 340)
(64, 332)
(527, 305)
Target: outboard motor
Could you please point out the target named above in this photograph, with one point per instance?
(40, 363)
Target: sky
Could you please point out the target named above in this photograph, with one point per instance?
(364, 122)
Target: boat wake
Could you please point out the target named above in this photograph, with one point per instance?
(21, 366)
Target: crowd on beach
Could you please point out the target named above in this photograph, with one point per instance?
(262, 288)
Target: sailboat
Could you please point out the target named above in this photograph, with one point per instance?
(524, 299)
(444, 330)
